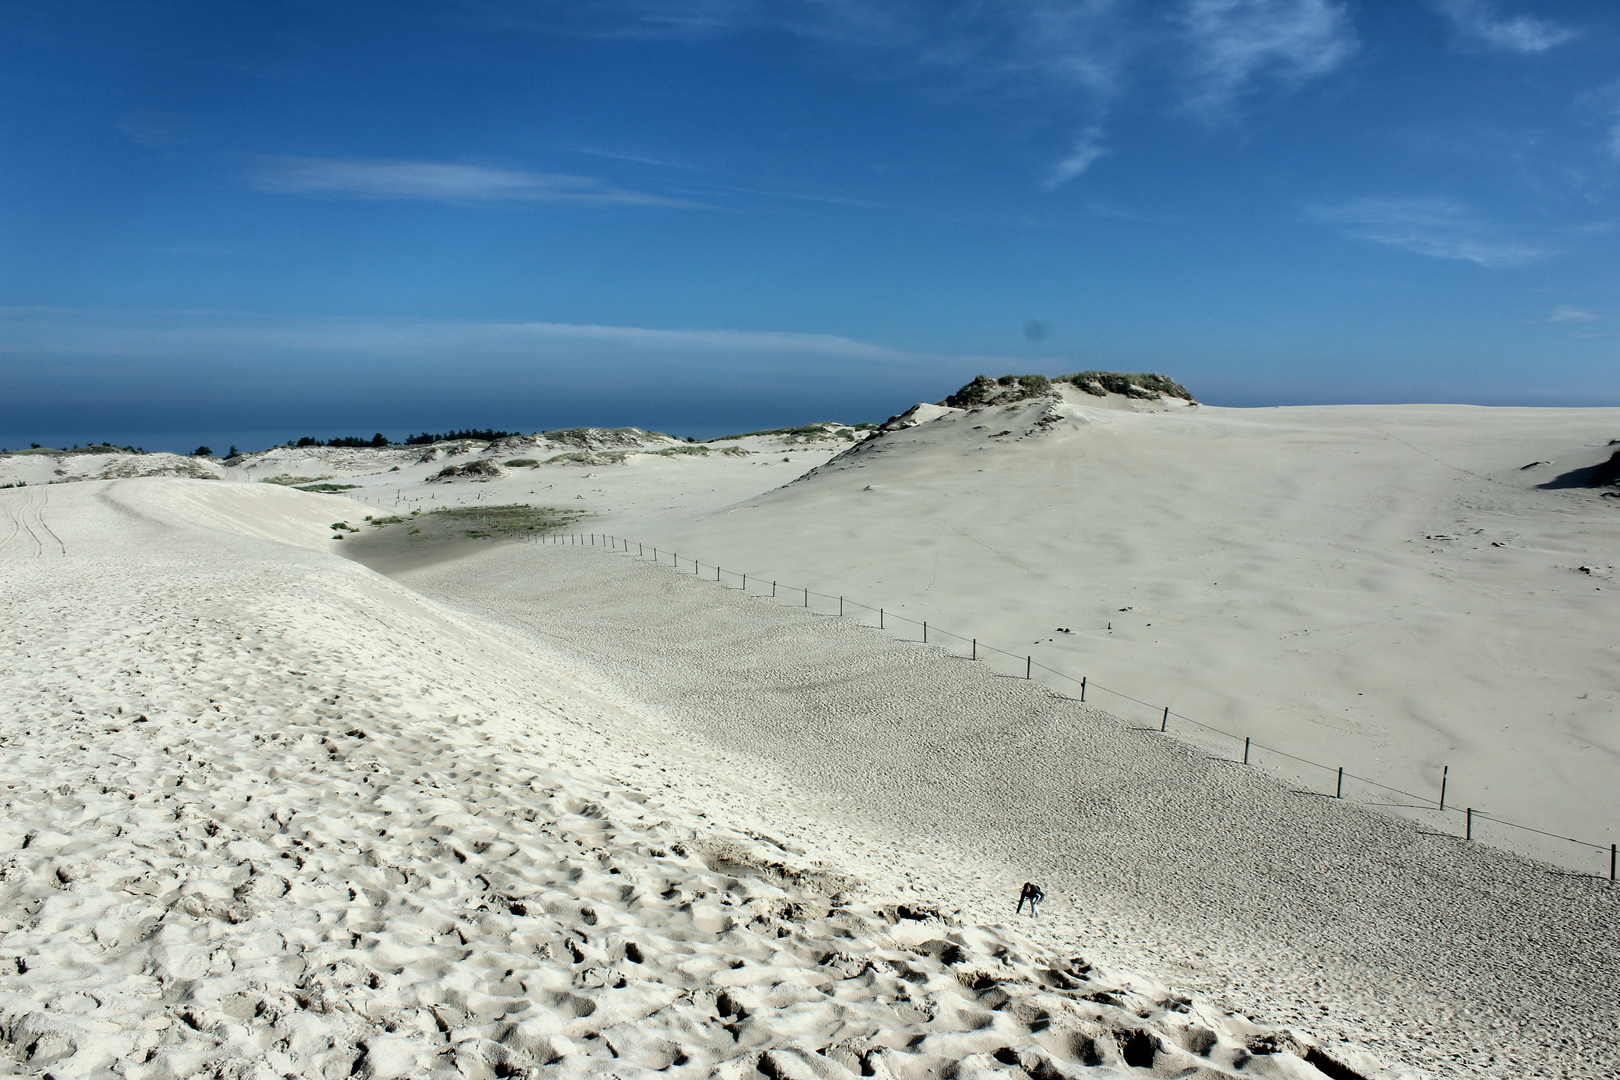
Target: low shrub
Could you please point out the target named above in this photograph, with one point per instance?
(984, 390)
(1137, 384)
(802, 433)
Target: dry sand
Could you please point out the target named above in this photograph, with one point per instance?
(266, 813)
(1381, 588)
(1320, 913)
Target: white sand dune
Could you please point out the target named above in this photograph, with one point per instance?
(1382, 588)
(265, 813)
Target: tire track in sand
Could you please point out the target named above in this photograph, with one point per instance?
(17, 511)
(39, 515)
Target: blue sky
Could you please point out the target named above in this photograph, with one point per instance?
(240, 223)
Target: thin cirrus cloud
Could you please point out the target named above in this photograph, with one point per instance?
(440, 182)
(1216, 51)
(1481, 24)
(1234, 44)
(1602, 106)
(1087, 149)
(1438, 228)
(63, 334)
(161, 371)
(1611, 97)
(1567, 313)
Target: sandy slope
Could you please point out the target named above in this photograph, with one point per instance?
(267, 814)
(1383, 588)
(1453, 957)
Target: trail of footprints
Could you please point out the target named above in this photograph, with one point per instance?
(228, 852)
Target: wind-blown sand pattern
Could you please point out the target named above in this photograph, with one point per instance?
(268, 814)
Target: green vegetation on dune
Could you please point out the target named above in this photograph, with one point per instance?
(325, 488)
(826, 430)
(93, 448)
(515, 519)
(983, 390)
(1137, 384)
(1148, 386)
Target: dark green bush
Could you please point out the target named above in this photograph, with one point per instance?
(984, 390)
(1137, 384)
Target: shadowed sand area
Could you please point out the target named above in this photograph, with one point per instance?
(1453, 957)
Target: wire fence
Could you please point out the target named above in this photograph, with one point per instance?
(1469, 818)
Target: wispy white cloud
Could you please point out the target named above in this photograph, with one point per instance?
(694, 19)
(1087, 149)
(1567, 313)
(1235, 43)
(1439, 228)
(1481, 24)
(1600, 106)
(1083, 54)
(209, 334)
(1610, 96)
(292, 373)
(441, 182)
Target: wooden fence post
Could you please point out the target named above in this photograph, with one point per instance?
(1245, 749)
(1164, 724)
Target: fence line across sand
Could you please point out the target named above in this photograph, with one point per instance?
(1469, 817)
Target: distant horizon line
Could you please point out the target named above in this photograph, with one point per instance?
(170, 440)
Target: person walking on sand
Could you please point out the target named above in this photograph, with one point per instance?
(1033, 894)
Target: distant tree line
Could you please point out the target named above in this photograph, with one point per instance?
(482, 434)
(380, 440)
